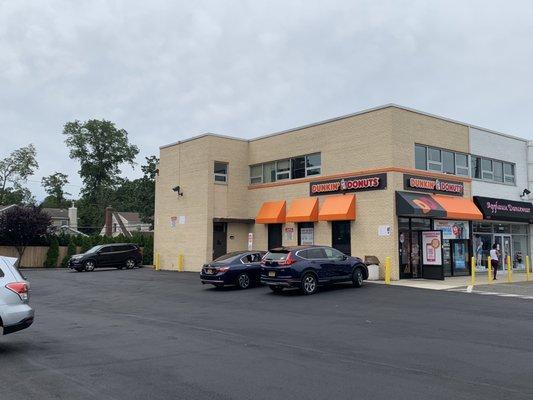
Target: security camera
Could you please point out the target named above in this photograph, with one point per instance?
(525, 193)
(178, 190)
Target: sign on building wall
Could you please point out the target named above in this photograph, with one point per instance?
(307, 236)
(433, 185)
(289, 233)
(431, 248)
(350, 184)
(504, 210)
(452, 229)
(250, 241)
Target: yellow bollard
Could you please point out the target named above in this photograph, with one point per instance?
(527, 268)
(387, 270)
(473, 273)
(180, 262)
(157, 265)
(489, 270)
(509, 270)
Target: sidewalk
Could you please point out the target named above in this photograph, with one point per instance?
(458, 281)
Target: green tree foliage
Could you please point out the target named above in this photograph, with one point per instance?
(15, 170)
(138, 195)
(54, 185)
(22, 226)
(71, 250)
(52, 255)
(101, 148)
(21, 196)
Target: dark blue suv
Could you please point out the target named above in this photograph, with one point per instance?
(306, 267)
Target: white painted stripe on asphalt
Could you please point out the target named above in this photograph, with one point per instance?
(472, 291)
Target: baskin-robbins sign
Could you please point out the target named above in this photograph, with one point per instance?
(350, 184)
(433, 185)
(504, 210)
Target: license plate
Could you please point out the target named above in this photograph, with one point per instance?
(271, 273)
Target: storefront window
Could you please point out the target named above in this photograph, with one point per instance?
(520, 229)
(420, 224)
(519, 251)
(502, 228)
(403, 223)
(483, 227)
(482, 246)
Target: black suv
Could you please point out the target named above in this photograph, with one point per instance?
(119, 255)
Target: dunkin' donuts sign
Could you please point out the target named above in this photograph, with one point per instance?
(434, 185)
(350, 184)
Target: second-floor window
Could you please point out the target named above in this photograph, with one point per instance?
(454, 163)
(221, 172)
(290, 168)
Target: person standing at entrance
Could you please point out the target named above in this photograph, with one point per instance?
(494, 260)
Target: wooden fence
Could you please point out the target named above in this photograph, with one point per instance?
(34, 256)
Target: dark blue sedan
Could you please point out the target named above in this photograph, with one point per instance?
(307, 267)
(241, 268)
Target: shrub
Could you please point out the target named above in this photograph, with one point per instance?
(52, 254)
(71, 250)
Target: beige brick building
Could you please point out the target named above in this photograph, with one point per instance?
(211, 189)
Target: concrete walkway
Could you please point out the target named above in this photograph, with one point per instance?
(458, 281)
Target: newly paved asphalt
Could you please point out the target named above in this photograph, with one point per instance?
(141, 334)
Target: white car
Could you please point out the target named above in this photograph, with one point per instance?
(15, 313)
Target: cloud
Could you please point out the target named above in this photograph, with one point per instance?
(167, 70)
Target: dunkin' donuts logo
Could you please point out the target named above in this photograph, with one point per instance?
(434, 185)
(349, 184)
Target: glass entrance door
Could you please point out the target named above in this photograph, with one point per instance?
(505, 247)
(459, 257)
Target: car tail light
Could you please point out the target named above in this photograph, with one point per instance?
(20, 288)
(223, 269)
(288, 261)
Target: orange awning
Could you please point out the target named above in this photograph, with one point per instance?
(303, 210)
(338, 208)
(271, 212)
(458, 207)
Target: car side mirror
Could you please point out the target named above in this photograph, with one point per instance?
(344, 257)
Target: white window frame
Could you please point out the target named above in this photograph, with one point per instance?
(486, 171)
(462, 167)
(435, 163)
(315, 167)
(256, 177)
(285, 172)
(511, 176)
(225, 176)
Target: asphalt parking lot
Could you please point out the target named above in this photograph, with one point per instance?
(139, 334)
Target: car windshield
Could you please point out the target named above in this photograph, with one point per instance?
(276, 255)
(94, 249)
(229, 257)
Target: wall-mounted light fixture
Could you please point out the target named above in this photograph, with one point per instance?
(178, 190)
(525, 193)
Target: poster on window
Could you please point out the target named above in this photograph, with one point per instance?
(432, 248)
(307, 236)
(452, 229)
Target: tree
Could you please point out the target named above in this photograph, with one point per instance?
(138, 195)
(71, 250)
(22, 226)
(54, 185)
(52, 255)
(18, 196)
(15, 170)
(101, 148)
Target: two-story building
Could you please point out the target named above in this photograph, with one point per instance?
(385, 182)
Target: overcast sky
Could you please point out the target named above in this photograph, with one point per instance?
(168, 70)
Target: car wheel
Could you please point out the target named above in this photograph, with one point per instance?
(130, 263)
(89, 266)
(357, 277)
(276, 289)
(309, 284)
(243, 281)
